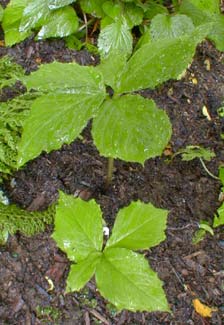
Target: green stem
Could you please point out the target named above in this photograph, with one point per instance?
(110, 168)
(207, 171)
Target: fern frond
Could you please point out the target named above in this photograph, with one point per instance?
(12, 116)
(10, 72)
(13, 219)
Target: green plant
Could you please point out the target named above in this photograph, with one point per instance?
(10, 72)
(122, 276)
(219, 216)
(13, 219)
(202, 11)
(47, 314)
(126, 126)
(197, 152)
(12, 115)
(204, 228)
(51, 18)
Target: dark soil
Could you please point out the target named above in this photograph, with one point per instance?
(184, 188)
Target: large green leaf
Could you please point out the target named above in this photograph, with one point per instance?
(197, 15)
(124, 278)
(34, 15)
(78, 227)
(55, 4)
(11, 22)
(131, 128)
(111, 67)
(138, 226)
(53, 23)
(165, 26)
(68, 78)
(82, 272)
(58, 117)
(115, 36)
(217, 33)
(209, 6)
(61, 23)
(206, 11)
(159, 61)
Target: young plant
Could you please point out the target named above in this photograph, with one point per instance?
(122, 275)
(126, 126)
(204, 228)
(197, 152)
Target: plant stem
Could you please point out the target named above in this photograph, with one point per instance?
(110, 168)
(207, 171)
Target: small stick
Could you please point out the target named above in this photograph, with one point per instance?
(98, 316)
(110, 168)
(206, 169)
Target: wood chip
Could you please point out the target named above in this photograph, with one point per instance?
(99, 316)
(86, 318)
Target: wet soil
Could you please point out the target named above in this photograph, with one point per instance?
(189, 271)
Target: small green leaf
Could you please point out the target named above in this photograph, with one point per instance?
(198, 236)
(78, 227)
(115, 36)
(124, 278)
(138, 226)
(206, 227)
(112, 10)
(165, 26)
(82, 272)
(131, 128)
(93, 7)
(152, 9)
(193, 152)
(133, 14)
(56, 4)
(58, 117)
(221, 174)
(219, 220)
(11, 22)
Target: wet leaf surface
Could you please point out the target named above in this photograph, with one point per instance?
(181, 187)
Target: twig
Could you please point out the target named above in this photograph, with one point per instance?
(98, 316)
(206, 169)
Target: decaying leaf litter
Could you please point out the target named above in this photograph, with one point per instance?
(184, 188)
